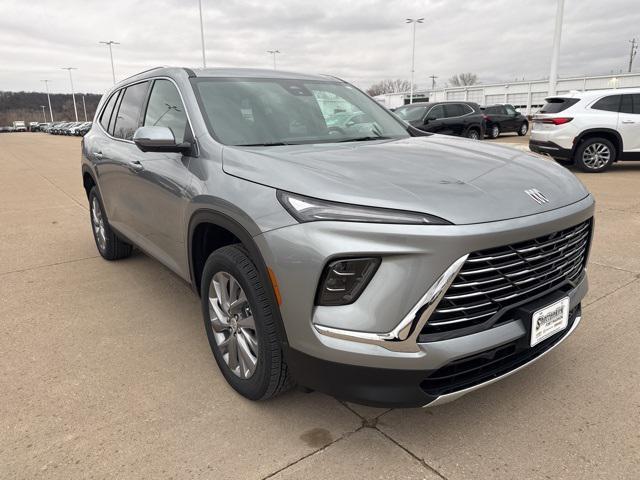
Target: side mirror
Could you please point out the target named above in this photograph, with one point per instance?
(158, 139)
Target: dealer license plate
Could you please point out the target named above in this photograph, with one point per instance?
(549, 320)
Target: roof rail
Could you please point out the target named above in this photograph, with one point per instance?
(140, 73)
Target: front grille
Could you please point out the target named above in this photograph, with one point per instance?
(494, 279)
(482, 367)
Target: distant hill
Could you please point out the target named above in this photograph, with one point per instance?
(26, 106)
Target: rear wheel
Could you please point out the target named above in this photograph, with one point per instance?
(595, 155)
(524, 128)
(110, 246)
(494, 131)
(238, 318)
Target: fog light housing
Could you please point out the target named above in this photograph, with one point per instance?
(344, 280)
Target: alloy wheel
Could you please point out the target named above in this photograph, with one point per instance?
(523, 129)
(233, 325)
(495, 131)
(473, 135)
(97, 222)
(596, 156)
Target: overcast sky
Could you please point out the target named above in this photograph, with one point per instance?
(360, 41)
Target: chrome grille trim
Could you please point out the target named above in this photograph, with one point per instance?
(496, 278)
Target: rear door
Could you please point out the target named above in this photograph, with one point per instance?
(629, 122)
(455, 120)
(121, 162)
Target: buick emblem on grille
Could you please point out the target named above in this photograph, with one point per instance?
(537, 195)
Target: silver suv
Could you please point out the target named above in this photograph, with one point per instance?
(382, 265)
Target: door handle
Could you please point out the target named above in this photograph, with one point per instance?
(628, 121)
(135, 166)
(98, 155)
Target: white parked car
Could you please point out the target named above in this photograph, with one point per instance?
(589, 129)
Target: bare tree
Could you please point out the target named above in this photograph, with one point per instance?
(390, 86)
(463, 79)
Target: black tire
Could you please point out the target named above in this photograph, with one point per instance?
(523, 129)
(494, 131)
(473, 133)
(113, 247)
(271, 375)
(585, 162)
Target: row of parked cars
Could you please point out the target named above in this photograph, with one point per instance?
(467, 119)
(67, 128)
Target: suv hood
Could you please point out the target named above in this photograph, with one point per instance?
(463, 181)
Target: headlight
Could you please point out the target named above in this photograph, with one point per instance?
(307, 209)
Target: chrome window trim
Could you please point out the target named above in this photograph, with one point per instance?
(146, 102)
(404, 337)
(452, 103)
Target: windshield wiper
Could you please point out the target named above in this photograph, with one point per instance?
(267, 144)
(365, 139)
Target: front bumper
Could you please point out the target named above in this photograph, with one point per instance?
(371, 369)
(395, 388)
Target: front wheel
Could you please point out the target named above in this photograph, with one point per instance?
(239, 321)
(473, 134)
(524, 128)
(595, 155)
(494, 131)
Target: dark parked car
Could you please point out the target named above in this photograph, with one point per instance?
(463, 119)
(504, 118)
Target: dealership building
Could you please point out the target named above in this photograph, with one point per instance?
(526, 96)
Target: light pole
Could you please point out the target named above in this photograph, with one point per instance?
(204, 59)
(413, 51)
(109, 43)
(555, 53)
(274, 52)
(44, 115)
(46, 86)
(73, 95)
(84, 105)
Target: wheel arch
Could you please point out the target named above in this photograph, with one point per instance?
(235, 232)
(88, 180)
(608, 133)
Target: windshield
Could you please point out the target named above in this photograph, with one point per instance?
(268, 112)
(410, 114)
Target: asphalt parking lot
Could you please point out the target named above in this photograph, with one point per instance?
(106, 371)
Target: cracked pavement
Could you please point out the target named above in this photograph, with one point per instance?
(106, 371)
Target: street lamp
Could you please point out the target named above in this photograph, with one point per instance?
(413, 51)
(73, 95)
(273, 52)
(46, 85)
(555, 53)
(204, 59)
(109, 43)
(84, 105)
(44, 115)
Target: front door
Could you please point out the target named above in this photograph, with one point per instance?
(164, 178)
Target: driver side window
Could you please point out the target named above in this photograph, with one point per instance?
(436, 113)
(165, 109)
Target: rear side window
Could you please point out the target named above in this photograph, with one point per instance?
(556, 105)
(107, 111)
(129, 112)
(165, 109)
(608, 104)
(454, 110)
(630, 104)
